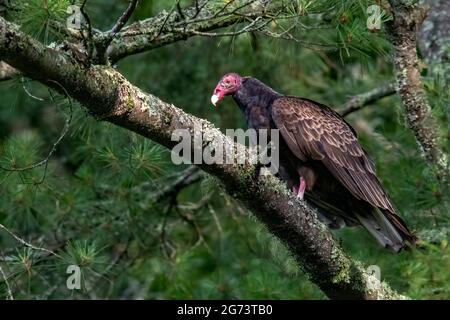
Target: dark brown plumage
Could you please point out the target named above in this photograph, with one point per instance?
(319, 147)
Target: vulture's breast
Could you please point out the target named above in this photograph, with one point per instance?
(258, 118)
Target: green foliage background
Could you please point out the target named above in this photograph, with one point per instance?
(93, 204)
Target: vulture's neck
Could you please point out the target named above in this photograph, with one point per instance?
(254, 93)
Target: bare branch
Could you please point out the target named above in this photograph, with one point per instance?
(65, 130)
(103, 42)
(8, 287)
(188, 177)
(203, 17)
(123, 19)
(287, 35)
(253, 26)
(198, 7)
(361, 100)
(163, 24)
(27, 244)
(199, 19)
(88, 43)
(179, 10)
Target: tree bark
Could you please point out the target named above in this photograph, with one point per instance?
(434, 35)
(173, 26)
(109, 96)
(402, 30)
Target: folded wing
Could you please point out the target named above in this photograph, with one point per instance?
(315, 132)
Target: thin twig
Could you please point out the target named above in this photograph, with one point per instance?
(54, 145)
(27, 244)
(166, 18)
(8, 288)
(191, 221)
(216, 219)
(180, 10)
(88, 43)
(165, 243)
(28, 92)
(290, 37)
(123, 19)
(106, 39)
(224, 8)
(248, 28)
(188, 177)
(199, 8)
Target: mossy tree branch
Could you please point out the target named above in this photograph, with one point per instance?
(109, 96)
(179, 24)
(402, 31)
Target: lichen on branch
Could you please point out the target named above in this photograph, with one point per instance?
(402, 31)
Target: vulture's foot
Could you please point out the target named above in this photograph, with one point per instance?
(300, 190)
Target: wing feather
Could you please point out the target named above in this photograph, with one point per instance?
(315, 132)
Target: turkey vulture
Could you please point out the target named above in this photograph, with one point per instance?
(320, 159)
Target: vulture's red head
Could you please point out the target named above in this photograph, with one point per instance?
(229, 84)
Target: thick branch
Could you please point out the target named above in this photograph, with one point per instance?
(407, 18)
(107, 94)
(361, 100)
(176, 25)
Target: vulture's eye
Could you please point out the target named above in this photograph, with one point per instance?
(226, 84)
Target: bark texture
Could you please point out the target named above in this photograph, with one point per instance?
(172, 26)
(434, 35)
(402, 30)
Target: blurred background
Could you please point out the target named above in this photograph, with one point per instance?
(94, 204)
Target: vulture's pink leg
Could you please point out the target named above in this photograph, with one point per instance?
(300, 190)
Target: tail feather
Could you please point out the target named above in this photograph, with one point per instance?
(389, 229)
(333, 217)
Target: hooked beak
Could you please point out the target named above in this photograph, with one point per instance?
(217, 96)
(214, 99)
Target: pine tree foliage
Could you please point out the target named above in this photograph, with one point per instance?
(95, 202)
